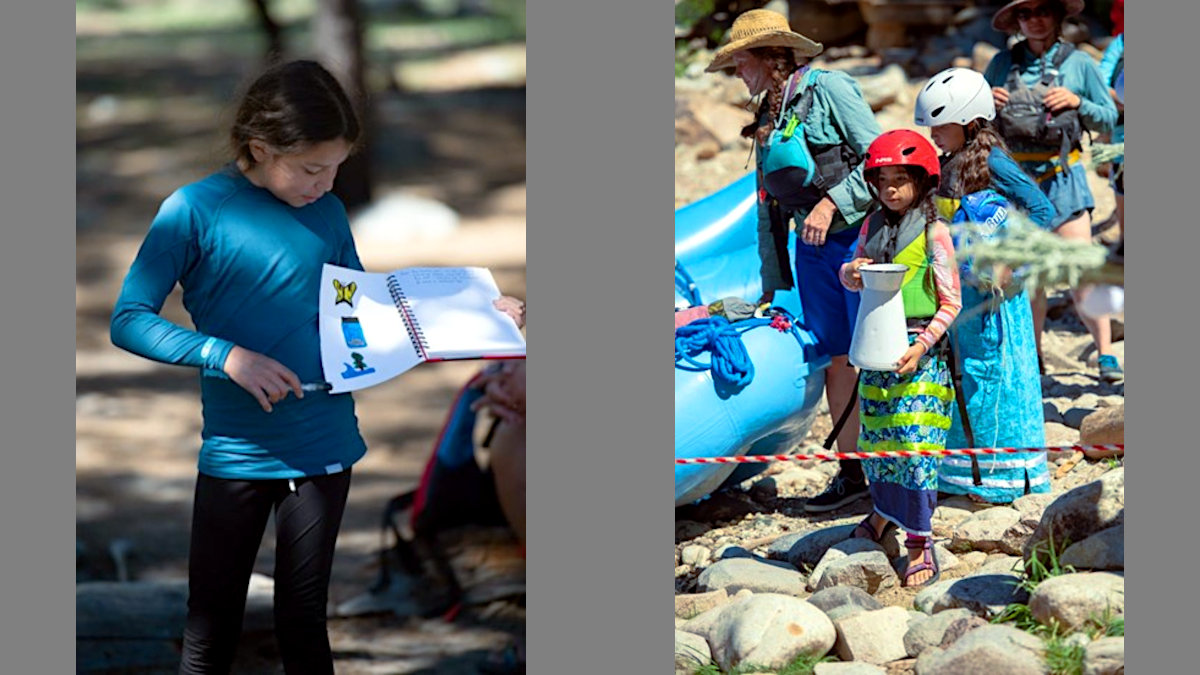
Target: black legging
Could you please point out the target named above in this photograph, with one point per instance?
(228, 520)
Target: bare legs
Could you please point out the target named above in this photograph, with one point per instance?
(1079, 229)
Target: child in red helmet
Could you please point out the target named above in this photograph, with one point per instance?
(909, 408)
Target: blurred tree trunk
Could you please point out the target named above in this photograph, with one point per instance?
(272, 30)
(337, 37)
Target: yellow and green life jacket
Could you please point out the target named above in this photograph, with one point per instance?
(906, 244)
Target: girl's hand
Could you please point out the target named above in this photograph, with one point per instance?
(1000, 96)
(512, 307)
(853, 278)
(816, 225)
(1060, 98)
(908, 363)
(267, 380)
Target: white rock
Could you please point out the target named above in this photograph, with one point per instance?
(843, 668)
(1105, 656)
(736, 574)
(1081, 512)
(871, 571)
(874, 637)
(768, 630)
(691, 653)
(840, 551)
(989, 649)
(1073, 599)
(988, 530)
(694, 555)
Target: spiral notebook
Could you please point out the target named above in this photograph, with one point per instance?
(377, 325)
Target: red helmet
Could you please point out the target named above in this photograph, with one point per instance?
(903, 147)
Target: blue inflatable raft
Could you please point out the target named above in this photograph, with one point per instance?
(716, 256)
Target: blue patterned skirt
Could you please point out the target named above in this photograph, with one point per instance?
(905, 412)
(1003, 391)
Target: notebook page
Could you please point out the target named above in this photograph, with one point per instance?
(453, 308)
(364, 340)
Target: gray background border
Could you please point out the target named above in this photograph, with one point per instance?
(600, 436)
(37, 245)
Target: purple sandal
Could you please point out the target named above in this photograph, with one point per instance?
(867, 527)
(929, 561)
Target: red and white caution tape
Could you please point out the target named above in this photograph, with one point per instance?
(761, 459)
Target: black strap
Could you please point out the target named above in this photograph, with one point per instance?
(779, 235)
(837, 427)
(960, 399)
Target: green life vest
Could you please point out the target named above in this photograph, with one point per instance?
(906, 244)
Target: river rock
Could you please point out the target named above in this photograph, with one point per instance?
(842, 601)
(842, 668)
(807, 548)
(1000, 564)
(990, 649)
(873, 637)
(840, 551)
(1060, 434)
(930, 632)
(768, 630)
(1071, 600)
(990, 530)
(985, 595)
(1104, 550)
(946, 518)
(1081, 512)
(735, 574)
(871, 571)
(693, 555)
(1106, 426)
(1105, 656)
(693, 604)
(691, 653)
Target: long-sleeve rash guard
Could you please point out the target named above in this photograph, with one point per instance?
(249, 266)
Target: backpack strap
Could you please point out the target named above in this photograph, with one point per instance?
(1050, 74)
(798, 103)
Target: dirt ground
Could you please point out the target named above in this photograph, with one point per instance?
(145, 127)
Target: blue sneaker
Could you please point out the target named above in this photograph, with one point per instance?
(1110, 369)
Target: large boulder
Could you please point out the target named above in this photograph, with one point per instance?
(1080, 513)
(765, 630)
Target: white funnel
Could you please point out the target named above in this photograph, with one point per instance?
(880, 332)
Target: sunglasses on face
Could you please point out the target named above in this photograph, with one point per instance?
(1027, 14)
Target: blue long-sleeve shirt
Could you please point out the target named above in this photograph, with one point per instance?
(1078, 74)
(1010, 181)
(249, 266)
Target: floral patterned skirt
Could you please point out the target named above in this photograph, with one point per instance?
(905, 412)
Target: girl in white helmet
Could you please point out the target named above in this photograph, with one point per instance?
(958, 107)
(993, 337)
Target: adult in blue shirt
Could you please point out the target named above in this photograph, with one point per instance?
(839, 126)
(1076, 86)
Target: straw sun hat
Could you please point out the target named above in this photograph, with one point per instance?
(761, 28)
(1005, 19)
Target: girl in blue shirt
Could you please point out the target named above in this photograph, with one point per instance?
(993, 337)
(246, 245)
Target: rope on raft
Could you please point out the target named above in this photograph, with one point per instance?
(728, 359)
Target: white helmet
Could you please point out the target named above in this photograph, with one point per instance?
(954, 96)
